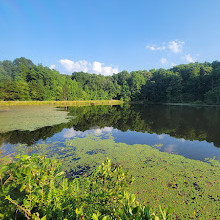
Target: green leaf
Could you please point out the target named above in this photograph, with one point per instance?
(132, 198)
(106, 218)
(96, 216)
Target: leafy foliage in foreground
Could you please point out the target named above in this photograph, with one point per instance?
(34, 188)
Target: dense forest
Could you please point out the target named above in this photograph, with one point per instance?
(191, 83)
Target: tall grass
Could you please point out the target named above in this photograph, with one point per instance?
(62, 103)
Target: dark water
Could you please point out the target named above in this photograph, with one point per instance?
(188, 131)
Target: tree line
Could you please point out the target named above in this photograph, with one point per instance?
(196, 82)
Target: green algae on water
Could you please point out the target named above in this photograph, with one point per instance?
(30, 118)
(190, 186)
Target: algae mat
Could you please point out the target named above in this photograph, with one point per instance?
(190, 186)
(30, 117)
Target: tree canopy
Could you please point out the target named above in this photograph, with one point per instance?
(197, 82)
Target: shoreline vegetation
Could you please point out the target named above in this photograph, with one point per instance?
(63, 103)
(98, 102)
(190, 104)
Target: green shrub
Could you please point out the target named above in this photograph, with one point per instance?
(33, 188)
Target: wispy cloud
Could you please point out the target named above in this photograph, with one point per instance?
(189, 58)
(153, 47)
(175, 46)
(85, 66)
(176, 49)
(52, 67)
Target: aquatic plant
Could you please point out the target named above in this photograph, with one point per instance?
(190, 186)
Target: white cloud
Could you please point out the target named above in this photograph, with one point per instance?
(97, 67)
(107, 129)
(182, 140)
(154, 48)
(97, 131)
(170, 148)
(163, 60)
(52, 67)
(85, 66)
(67, 64)
(175, 46)
(151, 48)
(70, 133)
(108, 70)
(71, 66)
(189, 58)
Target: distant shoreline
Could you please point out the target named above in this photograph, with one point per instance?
(177, 104)
(190, 104)
(63, 103)
(95, 102)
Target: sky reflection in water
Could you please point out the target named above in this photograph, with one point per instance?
(178, 130)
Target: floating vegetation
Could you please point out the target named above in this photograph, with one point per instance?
(158, 145)
(96, 151)
(30, 118)
(190, 186)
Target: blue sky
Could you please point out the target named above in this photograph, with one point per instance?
(107, 36)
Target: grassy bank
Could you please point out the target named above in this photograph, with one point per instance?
(62, 103)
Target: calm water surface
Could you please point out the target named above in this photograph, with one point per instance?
(188, 131)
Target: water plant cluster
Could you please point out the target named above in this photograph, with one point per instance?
(33, 187)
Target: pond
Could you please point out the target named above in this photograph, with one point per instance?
(135, 137)
(193, 132)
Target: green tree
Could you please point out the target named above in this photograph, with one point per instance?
(137, 80)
